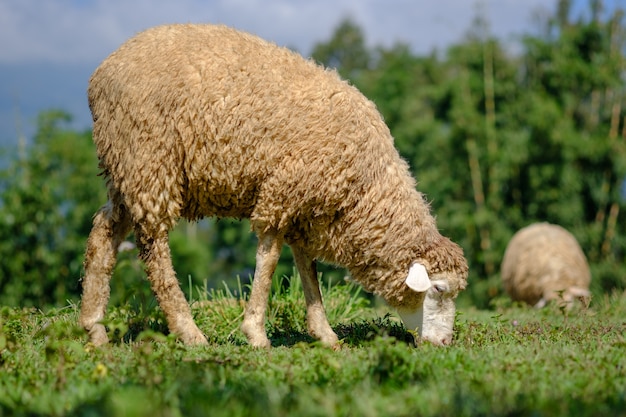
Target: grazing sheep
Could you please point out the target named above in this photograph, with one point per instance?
(200, 120)
(544, 262)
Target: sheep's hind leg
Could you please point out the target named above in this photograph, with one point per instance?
(253, 326)
(156, 255)
(317, 321)
(111, 224)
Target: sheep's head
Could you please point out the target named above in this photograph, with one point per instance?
(433, 320)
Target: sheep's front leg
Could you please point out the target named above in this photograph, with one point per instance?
(317, 322)
(110, 227)
(156, 255)
(253, 326)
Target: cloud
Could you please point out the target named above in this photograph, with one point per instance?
(85, 31)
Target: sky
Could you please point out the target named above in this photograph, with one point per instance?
(49, 48)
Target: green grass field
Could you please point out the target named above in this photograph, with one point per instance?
(511, 361)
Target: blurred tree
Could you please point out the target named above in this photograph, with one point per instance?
(346, 50)
(576, 114)
(47, 198)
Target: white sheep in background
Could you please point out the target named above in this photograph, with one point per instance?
(544, 262)
(201, 120)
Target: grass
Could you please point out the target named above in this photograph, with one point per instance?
(509, 361)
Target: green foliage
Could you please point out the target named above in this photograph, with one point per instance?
(534, 362)
(346, 51)
(495, 141)
(47, 198)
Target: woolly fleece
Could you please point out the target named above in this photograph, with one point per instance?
(193, 121)
(542, 260)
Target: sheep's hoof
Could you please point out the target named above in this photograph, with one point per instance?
(98, 335)
(257, 339)
(256, 335)
(194, 338)
(331, 342)
(196, 341)
(259, 342)
(325, 335)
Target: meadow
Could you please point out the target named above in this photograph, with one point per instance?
(509, 360)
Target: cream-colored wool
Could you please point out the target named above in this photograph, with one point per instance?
(200, 120)
(544, 262)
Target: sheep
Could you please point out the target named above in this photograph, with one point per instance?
(544, 262)
(193, 121)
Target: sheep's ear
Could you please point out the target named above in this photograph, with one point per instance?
(418, 279)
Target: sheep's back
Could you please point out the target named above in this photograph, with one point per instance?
(212, 121)
(541, 260)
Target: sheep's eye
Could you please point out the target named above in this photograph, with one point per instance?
(440, 288)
